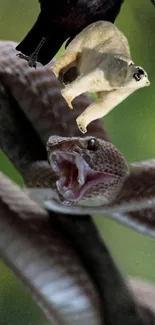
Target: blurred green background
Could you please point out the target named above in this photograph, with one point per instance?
(131, 127)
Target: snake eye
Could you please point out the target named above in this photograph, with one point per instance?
(139, 74)
(92, 144)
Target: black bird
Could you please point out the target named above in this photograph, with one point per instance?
(62, 19)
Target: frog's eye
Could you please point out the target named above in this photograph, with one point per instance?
(139, 74)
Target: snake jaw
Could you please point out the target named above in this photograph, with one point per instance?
(74, 175)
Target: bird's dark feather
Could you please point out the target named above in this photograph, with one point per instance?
(63, 19)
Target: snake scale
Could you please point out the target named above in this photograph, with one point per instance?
(37, 94)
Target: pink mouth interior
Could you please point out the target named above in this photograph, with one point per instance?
(75, 176)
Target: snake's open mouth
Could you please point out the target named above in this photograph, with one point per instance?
(75, 177)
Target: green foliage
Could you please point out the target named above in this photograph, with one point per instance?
(131, 128)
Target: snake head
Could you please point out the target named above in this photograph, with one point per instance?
(88, 170)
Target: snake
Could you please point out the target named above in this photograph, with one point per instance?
(44, 122)
(99, 178)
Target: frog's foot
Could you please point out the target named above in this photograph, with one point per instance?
(67, 97)
(81, 123)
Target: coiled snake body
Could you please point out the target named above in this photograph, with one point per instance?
(37, 94)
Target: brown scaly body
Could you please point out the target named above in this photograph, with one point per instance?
(50, 116)
(93, 253)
